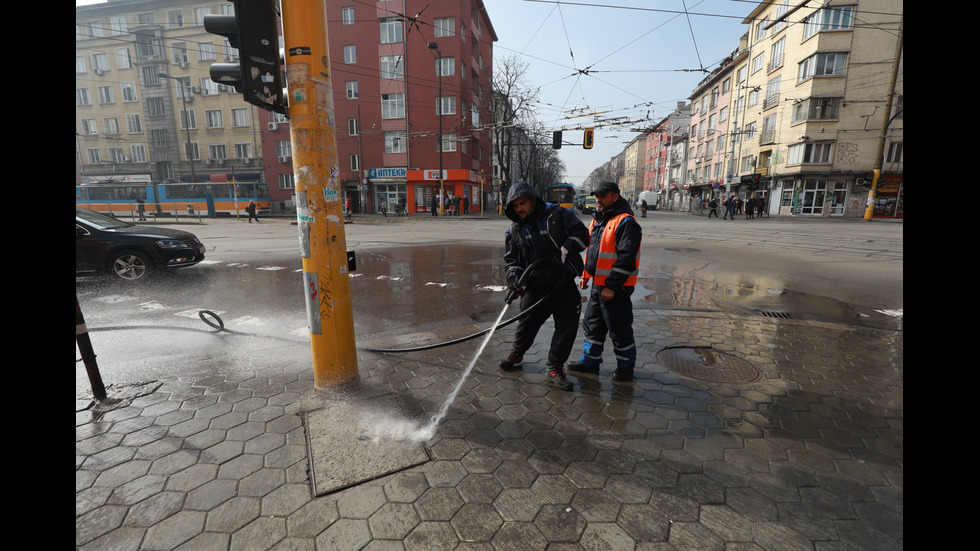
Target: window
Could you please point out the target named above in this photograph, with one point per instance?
(94, 156)
(213, 118)
(134, 124)
(111, 125)
(772, 93)
(239, 117)
(286, 181)
(192, 151)
(175, 19)
(760, 31)
(753, 97)
(475, 115)
(449, 142)
(726, 86)
(159, 138)
(816, 109)
(807, 153)
(757, 62)
(150, 76)
(205, 51)
(118, 25)
(147, 46)
(768, 129)
(391, 30)
(714, 97)
(347, 16)
(828, 19)
(178, 53)
(137, 152)
(199, 13)
(392, 66)
(106, 95)
(355, 162)
(393, 106)
(217, 151)
(188, 119)
(823, 64)
(100, 62)
(350, 54)
(80, 64)
(776, 56)
(351, 86)
(712, 122)
(352, 127)
(208, 87)
(723, 114)
(128, 91)
(284, 148)
(896, 153)
(155, 107)
(395, 142)
(444, 26)
(242, 150)
(145, 18)
(780, 12)
(446, 105)
(89, 127)
(445, 66)
(123, 59)
(83, 96)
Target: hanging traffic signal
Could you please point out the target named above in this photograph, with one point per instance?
(254, 31)
(556, 139)
(589, 136)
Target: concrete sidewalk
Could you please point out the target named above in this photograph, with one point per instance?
(740, 432)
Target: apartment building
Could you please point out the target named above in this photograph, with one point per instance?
(146, 109)
(708, 159)
(666, 155)
(812, 94)
(411, 99)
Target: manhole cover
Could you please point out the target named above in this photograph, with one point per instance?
(706, 364)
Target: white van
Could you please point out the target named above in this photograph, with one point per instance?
(650, 196)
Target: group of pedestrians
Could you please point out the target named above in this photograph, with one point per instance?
(734, 205)
(542, 254)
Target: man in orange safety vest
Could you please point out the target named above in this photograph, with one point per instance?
(612, 261)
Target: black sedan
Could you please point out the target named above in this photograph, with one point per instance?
(107, 245)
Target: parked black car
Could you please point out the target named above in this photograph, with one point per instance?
(104, 244)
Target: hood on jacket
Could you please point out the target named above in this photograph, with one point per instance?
(523, 189)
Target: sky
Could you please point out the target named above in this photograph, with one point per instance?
(614, 65)
(598, 60)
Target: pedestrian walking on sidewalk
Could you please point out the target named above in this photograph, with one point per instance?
(612, 261)
(548, 240)
(250, 209)
(713, 206)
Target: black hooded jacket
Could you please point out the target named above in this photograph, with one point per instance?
(541, 236)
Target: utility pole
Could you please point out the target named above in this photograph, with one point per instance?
(886, 120)
(323, 243)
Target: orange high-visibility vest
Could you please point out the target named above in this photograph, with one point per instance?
(607, 254)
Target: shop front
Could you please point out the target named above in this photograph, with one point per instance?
(890, 197)
(460, 191)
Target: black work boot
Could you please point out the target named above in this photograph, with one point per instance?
(513, 358)
(623, 375)
(556, 374)
(579, 367)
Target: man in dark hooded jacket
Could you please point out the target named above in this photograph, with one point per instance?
(611, 265)
(547, 240)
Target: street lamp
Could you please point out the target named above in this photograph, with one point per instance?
(435, 46)
(187, 122)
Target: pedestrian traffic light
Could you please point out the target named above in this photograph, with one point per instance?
(556, 139)
(589, 136)
(254, 31)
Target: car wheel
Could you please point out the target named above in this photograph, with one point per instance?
(130, 265)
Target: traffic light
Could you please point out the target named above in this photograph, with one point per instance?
(254, 31)
(556, 139)
(587, 141)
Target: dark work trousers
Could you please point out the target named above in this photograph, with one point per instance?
(565, 305)
(615, 318)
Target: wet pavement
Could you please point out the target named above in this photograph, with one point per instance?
(747, 428)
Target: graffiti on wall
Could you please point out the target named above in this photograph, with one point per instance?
(846, 153)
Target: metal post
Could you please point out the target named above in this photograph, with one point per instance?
(323, 243)
(88, 354)
(886, 120)
(187, 120)
(442, 191)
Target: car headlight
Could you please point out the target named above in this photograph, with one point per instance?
(171, 244)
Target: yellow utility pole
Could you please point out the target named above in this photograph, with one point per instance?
(886, 120)
(323, 243)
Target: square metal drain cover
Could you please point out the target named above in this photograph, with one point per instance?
(346, 450)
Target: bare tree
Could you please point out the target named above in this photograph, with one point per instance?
(513, 99)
